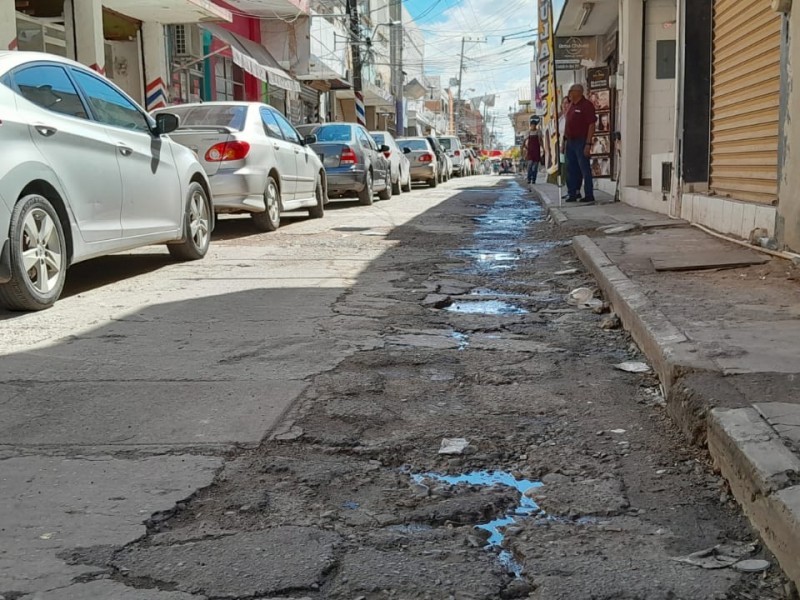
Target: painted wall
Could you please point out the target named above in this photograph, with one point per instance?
(788, 221)
(658, 118)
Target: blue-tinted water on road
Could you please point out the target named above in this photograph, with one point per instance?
(490, 478)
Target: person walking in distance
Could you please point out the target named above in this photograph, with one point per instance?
(532, 150)
(578, 133)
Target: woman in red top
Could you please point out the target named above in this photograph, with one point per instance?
(532, 149)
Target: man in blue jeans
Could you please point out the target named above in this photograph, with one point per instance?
(578, 132)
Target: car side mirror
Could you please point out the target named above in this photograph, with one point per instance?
(406, 150)
(167, 123)
(384, 148)
(309, 139)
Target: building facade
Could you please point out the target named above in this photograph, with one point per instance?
(700, 101)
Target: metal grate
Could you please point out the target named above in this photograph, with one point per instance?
(666, 177)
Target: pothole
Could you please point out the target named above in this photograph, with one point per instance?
(486, 307)
(496, 528)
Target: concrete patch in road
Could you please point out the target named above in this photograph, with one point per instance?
(106, 590)
(51, 505)
(251, 564)
(179, 413)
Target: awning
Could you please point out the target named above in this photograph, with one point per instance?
(319, 71)
(373, 96)
(254, 58)
(170, 12)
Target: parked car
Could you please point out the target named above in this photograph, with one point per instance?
(455, 151)
(257, 162)
(443, 161)
(422, 158)
(400, 167)
(471, 160)
(86, 172)
(354, 163)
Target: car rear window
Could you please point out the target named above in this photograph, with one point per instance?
(379, 138)
(334, 133)
(414, 144)
(216, 116)
(446, 143)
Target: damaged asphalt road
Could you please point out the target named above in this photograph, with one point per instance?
(462, 331)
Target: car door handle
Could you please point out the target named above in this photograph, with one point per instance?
(276, 146)
(45, 130)
(124, 150)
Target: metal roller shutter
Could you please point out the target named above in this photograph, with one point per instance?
(745, 100)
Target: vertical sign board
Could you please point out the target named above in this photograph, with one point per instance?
(547, 93)
(599, 94)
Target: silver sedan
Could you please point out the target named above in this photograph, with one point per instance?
(257, 162)
(86, 172)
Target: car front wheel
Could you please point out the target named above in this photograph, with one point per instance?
(270, 219)
(38, 256)
(197, 226)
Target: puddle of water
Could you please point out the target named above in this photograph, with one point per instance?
(462, 338)
(490, 478)
(486, 307)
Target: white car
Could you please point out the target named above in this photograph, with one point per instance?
(257, 162)
(455, 152)
(86, 172)
(400, 167)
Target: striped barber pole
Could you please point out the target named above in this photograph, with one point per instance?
(13, 45)
(361, 112)
(155, 95)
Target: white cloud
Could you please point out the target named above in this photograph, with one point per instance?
(494, 67)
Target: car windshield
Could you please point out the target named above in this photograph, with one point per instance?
(414, 144)
(446, 143)
(379, 138)
(334, 133)
(216, 116)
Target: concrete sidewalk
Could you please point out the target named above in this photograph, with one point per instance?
(724, 340)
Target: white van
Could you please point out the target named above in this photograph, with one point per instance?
(452, 145)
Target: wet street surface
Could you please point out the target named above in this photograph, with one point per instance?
(478, 444)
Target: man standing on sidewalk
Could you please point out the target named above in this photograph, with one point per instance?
(578, 132)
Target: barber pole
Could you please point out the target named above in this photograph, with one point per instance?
(361, 111)
(13, 44)
(155, 95)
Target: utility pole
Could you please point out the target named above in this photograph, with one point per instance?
(396, 60)
(460, 75)
(355, 51)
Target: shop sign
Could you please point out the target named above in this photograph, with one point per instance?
(572, 53)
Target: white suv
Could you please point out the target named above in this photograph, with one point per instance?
(452, 145)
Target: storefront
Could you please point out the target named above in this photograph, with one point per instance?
(746, 79)
(244, 70)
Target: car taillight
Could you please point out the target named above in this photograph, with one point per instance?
(348, 157)
(457, 153)
(388, 153)
(225, 151)
(425, 158)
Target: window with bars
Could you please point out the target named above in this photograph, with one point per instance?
(228, 85)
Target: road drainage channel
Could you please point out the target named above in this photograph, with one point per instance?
(496, 527)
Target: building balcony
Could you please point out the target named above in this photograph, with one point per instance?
(271, 8)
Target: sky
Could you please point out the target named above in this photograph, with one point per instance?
(492, 64)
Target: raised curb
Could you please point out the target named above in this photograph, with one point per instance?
(763, 474)
(671, 352)
(558, 215)
(764, 477)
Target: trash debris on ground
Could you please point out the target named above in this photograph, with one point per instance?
(583, 297)
(633, 367)
(610, 322)
(617, 228)
(720, 556)
(618, 431)
(567, 272)
(453, 446)
(752, 566)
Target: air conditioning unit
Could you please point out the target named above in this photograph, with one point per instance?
(186, 41)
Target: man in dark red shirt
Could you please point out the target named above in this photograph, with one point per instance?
(578, 132)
